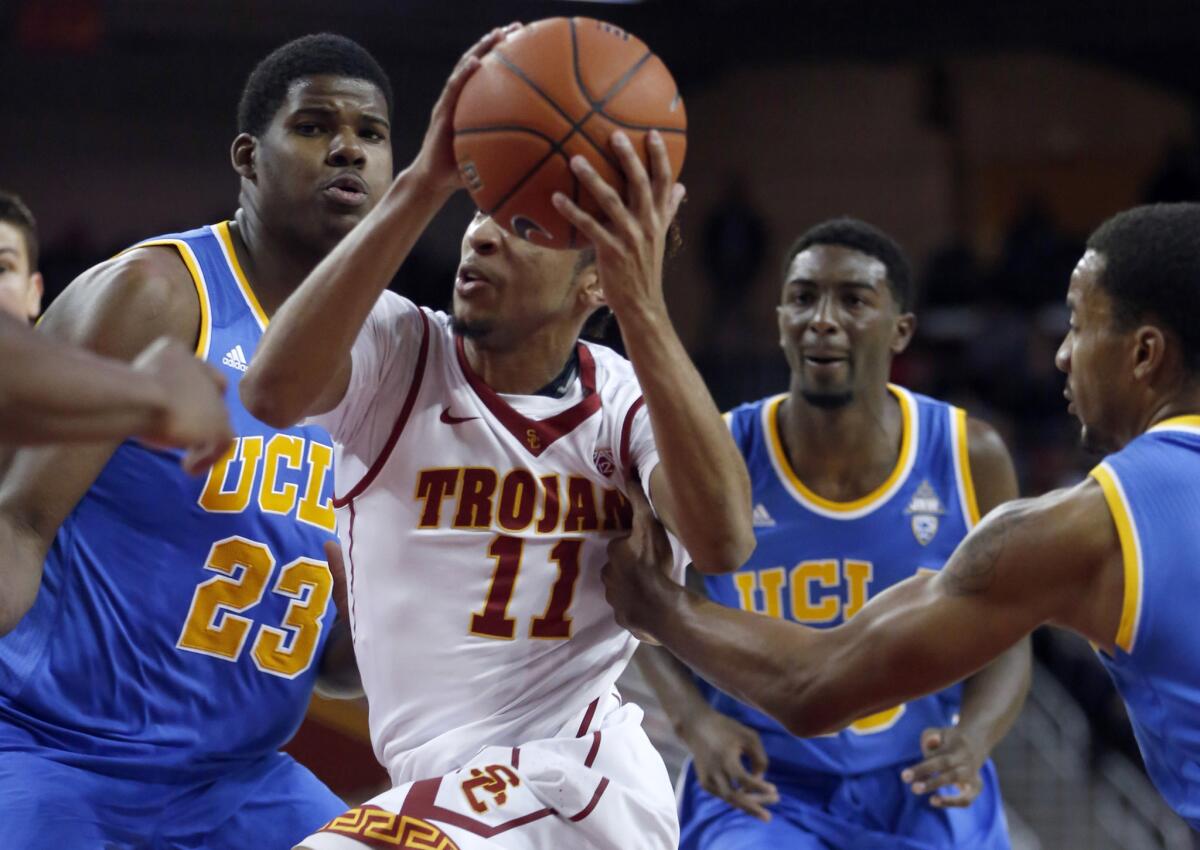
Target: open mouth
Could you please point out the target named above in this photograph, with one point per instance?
(470, 280)
(347, 190)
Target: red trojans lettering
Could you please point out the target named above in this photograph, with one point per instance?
(478, 497)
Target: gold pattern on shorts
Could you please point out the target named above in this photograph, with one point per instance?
(380, 828)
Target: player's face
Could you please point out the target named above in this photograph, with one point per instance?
(839, 324)
(20, 286)
(508, 288)
(1093, 357)
(324, 161)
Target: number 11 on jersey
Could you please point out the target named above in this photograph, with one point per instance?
(492, 620)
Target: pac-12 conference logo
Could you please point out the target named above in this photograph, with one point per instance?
(925, 507)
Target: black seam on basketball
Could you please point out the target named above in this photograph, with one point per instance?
(624, 81)
(629, 125)
(575, 125)
(556, 147)
(614, 89)
(528, 175)
(505, 128)
(587, 95)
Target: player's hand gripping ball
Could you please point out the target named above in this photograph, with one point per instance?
(553, 89)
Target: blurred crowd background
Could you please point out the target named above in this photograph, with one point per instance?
(988, 138)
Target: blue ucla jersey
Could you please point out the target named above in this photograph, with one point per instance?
(1152, 487)
(819, 561)
(180, 619)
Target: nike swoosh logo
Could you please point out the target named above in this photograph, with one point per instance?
(455, 420)
(526, 227)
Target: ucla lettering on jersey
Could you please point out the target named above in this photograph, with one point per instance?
(1152, 487)
(818, 562)
(180, 619)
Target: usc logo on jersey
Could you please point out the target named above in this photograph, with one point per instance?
(495, 779)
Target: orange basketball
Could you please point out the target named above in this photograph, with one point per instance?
(556, 88)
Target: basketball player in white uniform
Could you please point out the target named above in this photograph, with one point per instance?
(482, 461)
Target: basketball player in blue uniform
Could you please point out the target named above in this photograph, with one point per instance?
(858, 484)
(53, 393)
(181, 622)
(1115, 558)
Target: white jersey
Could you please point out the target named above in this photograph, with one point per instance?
(475, 526)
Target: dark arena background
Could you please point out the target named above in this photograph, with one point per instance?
(988, 138)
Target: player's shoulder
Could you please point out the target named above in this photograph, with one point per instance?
(119, 305)
(748, 414)
(614, 374)
(985, 446)
(393, 307)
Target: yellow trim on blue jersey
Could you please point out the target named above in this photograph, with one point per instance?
(962, 460)
(222, 231)
(1189, 423)
(868, 502)
(189, 260)
(1131, 554)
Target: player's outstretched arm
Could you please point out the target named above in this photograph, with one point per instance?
(993, 697)
(1055, 559)
(302, 365)
(701, 487)
(114, 310)
(56, 393)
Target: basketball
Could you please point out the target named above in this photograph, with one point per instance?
(556, 88)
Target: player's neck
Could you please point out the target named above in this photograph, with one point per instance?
(1186, 402)
(843, 453)
(524, 367)
(273, 270)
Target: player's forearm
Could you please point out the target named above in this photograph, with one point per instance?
(993, 697)
(338, 677)
(55, 393)
(308, 343)
(755, 658)
(672, 683)
(816, 681)
(709, 486)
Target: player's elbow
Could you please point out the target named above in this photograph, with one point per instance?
(725, 552)
(266, 402)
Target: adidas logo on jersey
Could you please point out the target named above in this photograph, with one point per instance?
(761, 518)
(235, 358)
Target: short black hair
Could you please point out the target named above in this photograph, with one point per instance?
(860, 236)
(1152, 269)
(323, 53)
(13, 211)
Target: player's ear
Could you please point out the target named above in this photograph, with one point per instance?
(902, 333)
(1149, 351)
(587, 276)
(33, 298)
(241, 154)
